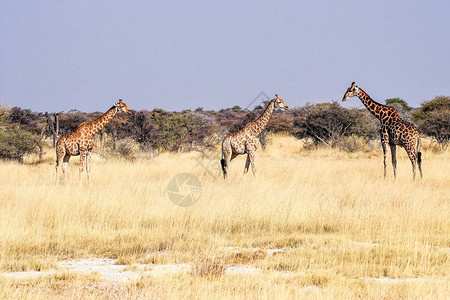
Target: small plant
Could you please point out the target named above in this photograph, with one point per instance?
(209, 267)
(353, 143)
(125, 148)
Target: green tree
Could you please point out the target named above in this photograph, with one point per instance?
(173, 129)
(439, 103)
(19, 134)
(16, 142)
(236, 108)
(402, 107)
(433, 118)
(398, 103)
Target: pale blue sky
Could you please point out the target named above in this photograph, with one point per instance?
(58, 55)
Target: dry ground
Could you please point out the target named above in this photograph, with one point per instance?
(343, 231)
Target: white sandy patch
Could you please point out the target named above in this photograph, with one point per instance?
(266, 251)
(110, 271)
(401, 280)
(107, 268)
(242, 269)
(274, 251)
(312, 288)
(283, 273)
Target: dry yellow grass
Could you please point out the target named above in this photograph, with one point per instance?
(338, 220)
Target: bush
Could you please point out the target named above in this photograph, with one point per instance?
(281, 121)
(323, 123)
(25, 119)
(15, 143)
(364, 125)
(433, 118)
(70, 121)
(144, 130)
(126, 148)
(353, 143)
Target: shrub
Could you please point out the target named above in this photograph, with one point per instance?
(353, 143)
(433, 118)
(16, 142)
(209, 268)
(70, 121)
(126, 148)
(323, 123)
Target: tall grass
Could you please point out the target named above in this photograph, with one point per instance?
(335, 215)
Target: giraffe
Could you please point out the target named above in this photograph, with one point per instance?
(394, 130)
(81, 142)
(246, 140)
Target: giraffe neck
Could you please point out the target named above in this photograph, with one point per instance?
(262, 121)
(374, 107)
(98, 124)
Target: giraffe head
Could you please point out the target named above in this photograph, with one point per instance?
(351, 92)
(122, 107)
(279, 103)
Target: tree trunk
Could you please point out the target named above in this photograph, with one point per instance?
(114, 137)
(41, 148)
(53, 126)
(55, 137)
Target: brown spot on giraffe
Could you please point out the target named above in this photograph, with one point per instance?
(246, 141)
(394, 130)
(377, 109)
(81, 142)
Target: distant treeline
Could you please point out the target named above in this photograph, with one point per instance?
(23, 131)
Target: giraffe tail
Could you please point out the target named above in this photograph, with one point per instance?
(225, 144)
(419, 154)
(222, 162)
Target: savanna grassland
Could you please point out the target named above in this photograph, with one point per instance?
(342, 230)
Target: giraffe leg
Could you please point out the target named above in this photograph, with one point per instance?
(251, 155)
(247, 164)
(419, 158)
(226, 163)
(413, 159)
(58, 168)
(394, 158)
(88, 167)
(64, 167)
(384, 146)
(60, 153)
(227, 155)
(419, 163)
(82, 160)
